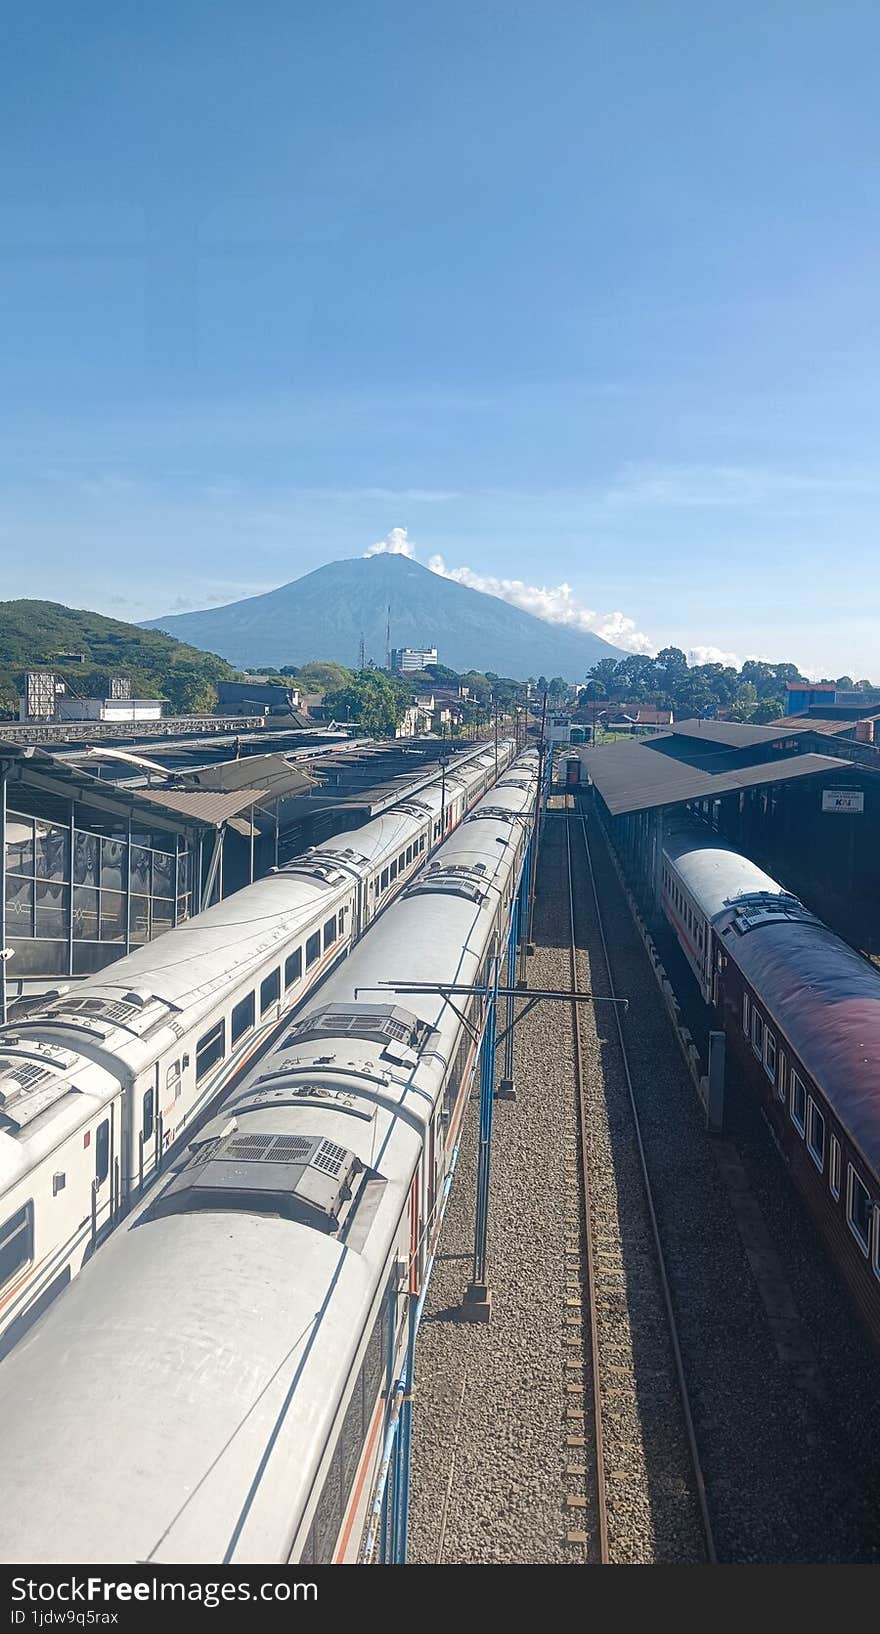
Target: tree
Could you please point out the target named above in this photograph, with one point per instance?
(557, 687)
(604, 673)
(744, 702)
(372, 700)
(189, 690)
(321, 676)
(769, 709)
(671, 665)
(593, 692)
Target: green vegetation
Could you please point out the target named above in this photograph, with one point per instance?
(377, 702)
(39, 634)
(754, 693)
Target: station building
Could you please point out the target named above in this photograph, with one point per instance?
(803, 804)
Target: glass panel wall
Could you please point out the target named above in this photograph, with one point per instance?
(56, 903)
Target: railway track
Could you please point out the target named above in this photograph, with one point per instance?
(504, 1466)
(649, 1502)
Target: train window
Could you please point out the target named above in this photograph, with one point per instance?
(780, 1077)
(858, 1209)
(746, 1014)
(421, 843)
(210, 1049)
(384, 879)
(102, 1151)
(313, 949)
(329, 933)
(172, 1079)
(409, 855)
(270, 991)
(243, 1017)
(393, 870)
(834, 1167)
(816, 1135)
(757, 1033)
(401, 861)
(16, 1242)
(149, 1114)
(293, 967)
(798, 1102)
(770, 1055)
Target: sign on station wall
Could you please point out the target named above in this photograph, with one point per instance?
(843, 800)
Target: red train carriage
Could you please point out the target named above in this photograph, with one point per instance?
(801, 1011)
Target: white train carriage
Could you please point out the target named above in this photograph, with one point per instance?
(60, 1123)
(217, 1386)
(171, 1025)
(702, 875)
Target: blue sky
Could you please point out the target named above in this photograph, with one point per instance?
(578, 295)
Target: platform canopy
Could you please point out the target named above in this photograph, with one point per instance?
(639, 776)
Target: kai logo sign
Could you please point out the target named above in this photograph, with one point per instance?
(843, 800)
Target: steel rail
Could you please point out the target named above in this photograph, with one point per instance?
(593, 1319)
(684, 1394)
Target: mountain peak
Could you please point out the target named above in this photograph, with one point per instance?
(325, 614)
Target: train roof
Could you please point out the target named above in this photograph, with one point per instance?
(825, 998)
(710, 869)
(191, 1374)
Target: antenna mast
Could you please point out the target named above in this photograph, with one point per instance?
(388, 641)
(362, 654)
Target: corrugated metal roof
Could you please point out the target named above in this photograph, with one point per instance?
(273, 772)
(207, 805)
(637, 777)
(735, 734)
(41, 769)
(827, 724)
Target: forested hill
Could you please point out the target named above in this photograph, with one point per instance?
(40, 634)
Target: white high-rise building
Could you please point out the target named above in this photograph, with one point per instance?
(409, 660)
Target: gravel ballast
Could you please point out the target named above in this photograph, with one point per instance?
(788, 1433)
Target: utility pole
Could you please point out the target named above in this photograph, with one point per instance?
(494, 701)
(388, 640)
(362, 653)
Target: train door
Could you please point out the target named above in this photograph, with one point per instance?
(362, 900)
(147, 1112)
(103, 1182)
(434, 1178)
(169, 1115)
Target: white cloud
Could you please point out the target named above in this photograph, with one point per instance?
(555, 604)
(395, 543)
(713, 655)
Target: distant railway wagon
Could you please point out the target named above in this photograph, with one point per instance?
(573, 772)
(801, 1014)
(227, 1381)
(99, 1085)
